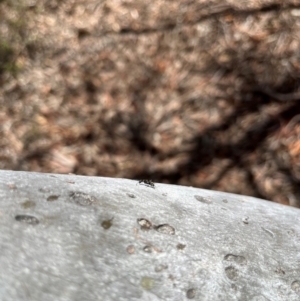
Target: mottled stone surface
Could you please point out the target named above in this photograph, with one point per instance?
(67, 237)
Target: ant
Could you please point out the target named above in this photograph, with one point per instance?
(148, 183)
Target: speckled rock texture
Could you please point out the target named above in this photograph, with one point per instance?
(68, 237)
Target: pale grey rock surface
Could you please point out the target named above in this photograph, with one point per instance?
(67, 237)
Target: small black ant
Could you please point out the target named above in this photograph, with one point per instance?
(148, 183)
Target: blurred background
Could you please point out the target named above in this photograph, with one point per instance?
(198, 93)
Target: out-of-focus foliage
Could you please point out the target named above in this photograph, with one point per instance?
(198, 93)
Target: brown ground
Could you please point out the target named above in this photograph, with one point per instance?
(201, 93)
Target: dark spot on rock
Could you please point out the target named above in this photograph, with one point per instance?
(160, 268)
(107, 224)
(296, 286)
(130, 249)
(240, 260)
(280, 271)
(28, 204)
(45, 190)
(147, 182)
(191, 293)
(131, 195)
(180, 246)
(291, 232)
(224, 201)
(144, 223)
(165, 229)
(52, 198)
(28, 219)
(246, 220)
(171, 277)
(82, 199)
(232, 273)
(147, 249)
(202, 199)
